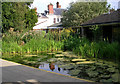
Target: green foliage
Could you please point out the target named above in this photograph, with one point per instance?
(30, 18)
(10, 47)
(18, 16)
(33, 42)
(80, 12)
(39, 41)
(85, 48)
(97, 32)
(41, 45)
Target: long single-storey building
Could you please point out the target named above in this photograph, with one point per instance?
(109, 24)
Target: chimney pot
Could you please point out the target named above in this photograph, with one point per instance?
(50, 8)
(35, 9)
(58, 6)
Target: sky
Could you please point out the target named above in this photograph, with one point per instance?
(41, 5)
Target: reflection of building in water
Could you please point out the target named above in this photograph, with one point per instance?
(58, 69)
(41, 65)
(119, 5)
(52, 66)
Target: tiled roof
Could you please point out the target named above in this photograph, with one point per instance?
(58, 11)
(113, 17)
(42, 15)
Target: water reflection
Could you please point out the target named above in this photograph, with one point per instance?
(53, 67)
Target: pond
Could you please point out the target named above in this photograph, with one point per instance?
(67, 63)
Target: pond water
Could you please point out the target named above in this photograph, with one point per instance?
(53, 68)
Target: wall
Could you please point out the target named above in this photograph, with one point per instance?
(46, 21)
(116, 33)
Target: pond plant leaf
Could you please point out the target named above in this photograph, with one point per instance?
(67, 66)
(86, 62)
(30, 55)
(59, 55)
(115, 77)
(50, 53)
(92, 73)
(74, 72)
(77, 60)
(104, 76)
(111, 70)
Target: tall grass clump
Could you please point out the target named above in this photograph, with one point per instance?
(92, 49)
(41, 45)
(11, 47)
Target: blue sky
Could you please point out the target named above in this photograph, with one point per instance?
(42, 4)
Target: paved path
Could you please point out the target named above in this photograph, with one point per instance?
(14, 72)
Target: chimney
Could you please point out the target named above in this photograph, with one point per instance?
(58, 6)
(35, 10)
(50, 8)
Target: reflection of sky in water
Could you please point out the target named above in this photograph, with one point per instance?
(45, 66)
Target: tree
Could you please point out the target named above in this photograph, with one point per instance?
(15, 15)
(30, 19)
(0, 17)
(79, 12)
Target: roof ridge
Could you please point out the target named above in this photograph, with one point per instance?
(41, 22)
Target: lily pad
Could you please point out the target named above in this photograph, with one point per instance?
(111, 70)
(59, 55)
(67, 66)
(71, 56)
(106, 80)
(76, 60)
(115, 77)
(74, 72)
(59, 63)
(52, 60)
(91, 68)
(92, 73)
(105, 76)
(68, 54)
(62, 59)
(30, 55)
(50, 53)
(86, 62)
(39, 59)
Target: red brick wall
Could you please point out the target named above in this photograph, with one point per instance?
(50, 8)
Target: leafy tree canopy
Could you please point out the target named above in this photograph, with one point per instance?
(79, 12)
(17, 15)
